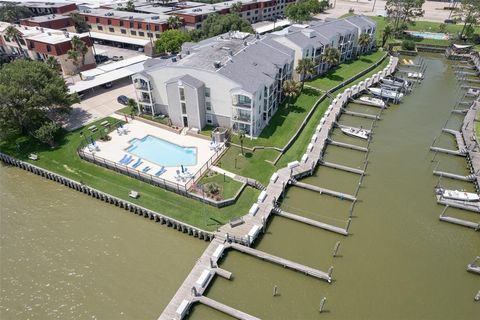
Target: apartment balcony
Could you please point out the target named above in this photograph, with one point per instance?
(242, 105)
(146, 100)
(242, 118)
(141, 86)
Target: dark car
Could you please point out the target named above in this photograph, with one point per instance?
(100, 58)
(123, 100)
(452, 21)
(107, 85)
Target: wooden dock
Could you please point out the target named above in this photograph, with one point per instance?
(469, 206)
(347, 146)
(458, 138)
(241, 236)
(311, 222)
(449, 151)
(321, 190)
(460, 222)
(342, 167)
(283, 262)
(237, 314)
(468, 178)
(361, 115)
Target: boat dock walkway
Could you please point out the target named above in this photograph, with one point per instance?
(361, 115)
(347, 145)
(283, 262)
(462, 111)
(314, 223)
(241, 236)
(473, 267)
(237, 314)
(458, 137)
(449, 151)
(469, 206)
(461, 222)
(324, 190)
(470, 177)
(342, 167)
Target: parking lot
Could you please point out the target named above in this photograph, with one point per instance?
(99, 103)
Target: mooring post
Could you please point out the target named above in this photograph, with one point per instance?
(335, 249)
(322, 304)
(275, 290)
(348, 224)
(444, 209)
(264, 225)
(330, 271)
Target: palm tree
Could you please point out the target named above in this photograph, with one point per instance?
(291, 89)
(174, 22)
(13, 33)
(363, 41)
(132, 104)
(241, 136)
(387, 34)
(52, 62)
(332, 56)
(74, 55)
(305, 67)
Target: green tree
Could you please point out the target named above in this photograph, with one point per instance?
(241, 136)
(75, 57)
(29, 91)
(174, 22)
(291, 89)
(298, 12)
(132, 104)
(332, 56)
(236, 7)
(216, 24)
(403, 12)
(13, 33)
(469, 13)
(12, 13)
(171, 41)
(78, 52)
(305, 68)
(130, 6)
(46, 133)
(79, 22)
(387, 34)
(442, 27)
(363, 41)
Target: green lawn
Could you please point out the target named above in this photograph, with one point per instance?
(65, 161)
(284, 122)
(251, 164)
(345, 71)
(229, 187)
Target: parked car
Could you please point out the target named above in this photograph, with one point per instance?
(122, 100)
(452, 21)
(99, 58)
(107, 85)
(117, 58)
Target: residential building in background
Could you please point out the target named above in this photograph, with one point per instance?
(40, 43)
(51, 21)
(40, 8)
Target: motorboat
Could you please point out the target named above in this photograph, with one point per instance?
(473, 92)
(396, 82)
(415, 75)
(385, 93)
(373, 101)
(458, 195)
(356, 132)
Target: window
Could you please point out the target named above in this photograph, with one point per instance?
(97, 20)
(157, 28)
(141, 33)
(207, 92)
(121, 23)
(31, 44)
(131, 24)
(208, 105)
(181, 91)
(99, 27)
(123, 31)
(184, 107)
(109, 22)
(111, 29)
(49, 48)
(157, 35)
(133, 32)
(209, 118)
(149, 34)
(22, 42)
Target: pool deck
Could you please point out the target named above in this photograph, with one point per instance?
(115, 149)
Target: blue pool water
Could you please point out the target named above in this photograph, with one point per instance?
(428, 35)
(162, 152)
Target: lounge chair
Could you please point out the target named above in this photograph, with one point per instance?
(137, 163)
(146, 169)
(33, 156)
(160, 172)
(130, 160)
(124, 158)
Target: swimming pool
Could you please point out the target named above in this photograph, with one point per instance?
(162, 152)
(428, 35)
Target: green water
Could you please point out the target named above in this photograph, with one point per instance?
(400, 261)
(64, 255)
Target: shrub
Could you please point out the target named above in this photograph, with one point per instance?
(408, 45)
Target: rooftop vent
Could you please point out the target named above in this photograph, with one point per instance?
(155, 17)
(49, 33)
(217, 64)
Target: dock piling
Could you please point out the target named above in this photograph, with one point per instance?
(275, 290)
(348, 224)
(322, 304)
(335, 248)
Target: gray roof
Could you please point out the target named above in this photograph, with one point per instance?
(188, 79)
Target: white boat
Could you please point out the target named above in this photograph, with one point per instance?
(397, 82)
(356, 132)
(458, 195)
(415, 75)
(373, 101)
(384, 93)
(473, 92)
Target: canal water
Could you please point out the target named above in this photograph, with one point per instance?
(400, 261)
(64, 255)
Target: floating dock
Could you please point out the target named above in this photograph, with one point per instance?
(324, 191)
(347, 146)
(361, 115)
(449, 151)
(342, 167)
(312, 222)
(468, 178)
(237, 314)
